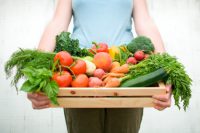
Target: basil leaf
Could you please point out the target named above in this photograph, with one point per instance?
(28, 87)
(29, 73)
(51, 90)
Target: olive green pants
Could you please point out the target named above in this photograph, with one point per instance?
(103, 120)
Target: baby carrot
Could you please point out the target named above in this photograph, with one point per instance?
(122, 69)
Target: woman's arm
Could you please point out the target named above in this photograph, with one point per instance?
(59, 23)
(144, 24)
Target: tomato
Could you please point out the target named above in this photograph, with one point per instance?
(101, 47)
(139, 55)
(131, 60)
(64, 58)
(79, 67)
(63, 79)
(80, 81)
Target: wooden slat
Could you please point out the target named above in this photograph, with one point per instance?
(161, 85)
(136, 102)
(128, 91)
(129, 97)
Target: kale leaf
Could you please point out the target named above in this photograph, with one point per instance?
(65, 43)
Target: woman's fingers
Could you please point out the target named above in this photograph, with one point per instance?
(162, 104)
(169, 89)
(163, 101)
(163, 98)
(40, 107)
(37, 96)
(39, 101)
(159, 108)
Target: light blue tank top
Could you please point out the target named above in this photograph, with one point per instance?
(108, 21)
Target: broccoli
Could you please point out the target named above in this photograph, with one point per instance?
(141, 43)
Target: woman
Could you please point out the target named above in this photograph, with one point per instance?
(102, 21)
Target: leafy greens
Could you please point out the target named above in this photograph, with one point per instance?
(36, 67)
(39, 80)
(65, 43)
(25, 58)
(177, 75)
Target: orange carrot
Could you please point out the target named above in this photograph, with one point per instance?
(115, 75)
(115, 64)
(106, 80)
(113, 82)
(122, 69)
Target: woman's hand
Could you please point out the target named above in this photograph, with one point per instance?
(39, 101)
(163, 101)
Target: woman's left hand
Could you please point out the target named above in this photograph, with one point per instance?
(163, 101)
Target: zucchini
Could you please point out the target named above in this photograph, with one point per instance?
(145, 80)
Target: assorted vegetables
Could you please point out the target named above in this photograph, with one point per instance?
(120, 66)
(176, 75)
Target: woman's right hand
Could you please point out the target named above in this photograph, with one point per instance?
(39, 101)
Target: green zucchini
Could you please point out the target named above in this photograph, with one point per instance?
(145, 80)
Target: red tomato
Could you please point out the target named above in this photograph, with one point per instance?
(64, 58)
(80, 81)
(101, 47)
(63, 79)
(79, 67)
(139, 55)
(131, 60)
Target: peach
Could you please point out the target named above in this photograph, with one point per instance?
(103, 60)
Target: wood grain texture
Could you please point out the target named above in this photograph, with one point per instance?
(105, 102)
(125, 91)
(121, 97)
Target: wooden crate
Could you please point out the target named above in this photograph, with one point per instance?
(130, 97)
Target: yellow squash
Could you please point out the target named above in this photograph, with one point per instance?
(114, 50)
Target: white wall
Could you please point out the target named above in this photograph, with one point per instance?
(21, 25)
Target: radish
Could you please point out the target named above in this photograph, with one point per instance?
(99, 73)
(131, 60)
(139, 55)
(95, 82)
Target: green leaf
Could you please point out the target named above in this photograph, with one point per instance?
(44, 73)
(51, 90)
(124, 56)
(65, 43)
(28, 87)
(29, 73)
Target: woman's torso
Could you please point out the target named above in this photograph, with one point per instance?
(108, 21)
